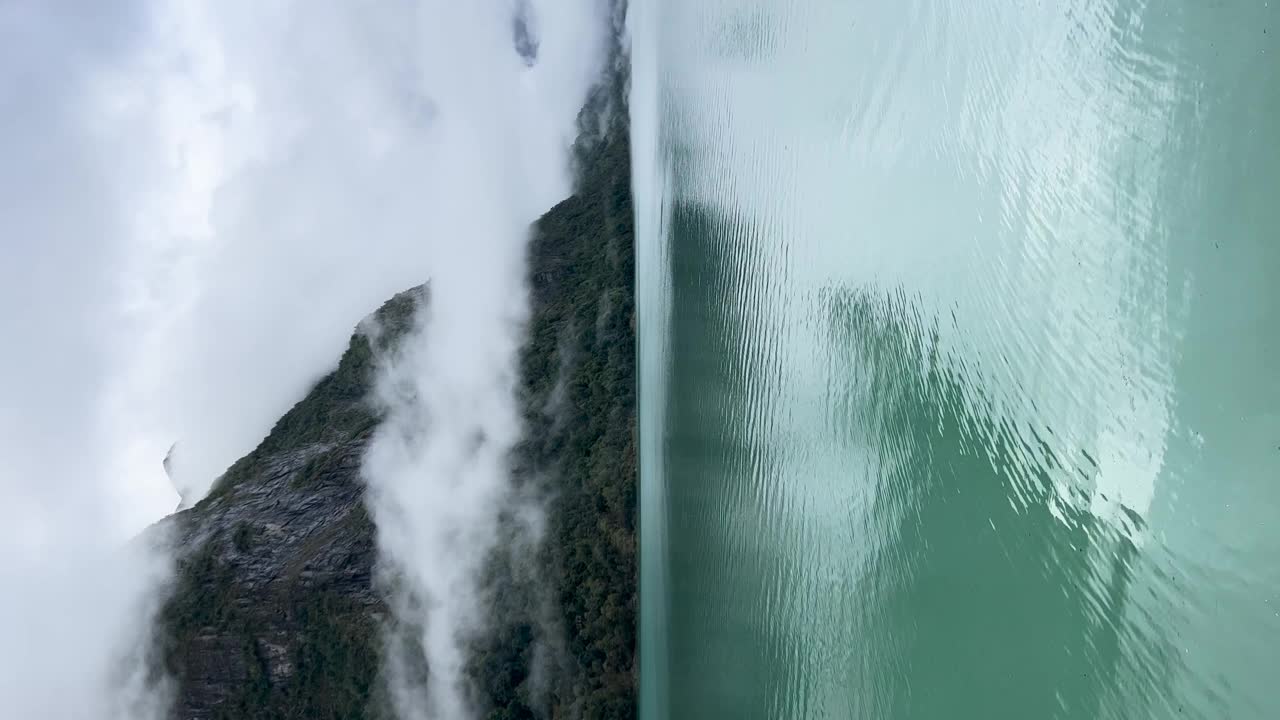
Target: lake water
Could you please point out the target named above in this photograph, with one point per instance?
(959, 334)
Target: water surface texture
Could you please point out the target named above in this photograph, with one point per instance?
(959, 357)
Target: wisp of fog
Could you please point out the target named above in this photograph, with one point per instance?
(438, 468)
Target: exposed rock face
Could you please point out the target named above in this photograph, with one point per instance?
(275, 612)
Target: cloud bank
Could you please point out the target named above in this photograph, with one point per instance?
(200, 199)
(75, 602)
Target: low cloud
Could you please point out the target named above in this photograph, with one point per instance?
(438, 469)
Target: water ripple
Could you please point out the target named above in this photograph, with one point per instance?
(958, 325)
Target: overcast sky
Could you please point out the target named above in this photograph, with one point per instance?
(198, 201)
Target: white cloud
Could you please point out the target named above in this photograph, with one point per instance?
(437, 469)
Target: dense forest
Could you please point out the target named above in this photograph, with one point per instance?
(276, 611)
(579, 360)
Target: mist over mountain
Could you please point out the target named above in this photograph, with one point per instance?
(282, 605)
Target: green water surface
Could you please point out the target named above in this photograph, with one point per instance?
(960, 358)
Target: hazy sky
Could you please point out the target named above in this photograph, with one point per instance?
(198, 201)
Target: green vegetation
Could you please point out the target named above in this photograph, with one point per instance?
(243, 537)
(595, 510)
(578, 401)
(335, 662)
(332, 640)
(337, 407)
(328, 641)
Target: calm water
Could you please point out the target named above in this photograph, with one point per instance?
(960, 358)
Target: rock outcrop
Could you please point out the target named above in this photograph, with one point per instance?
(275, 612)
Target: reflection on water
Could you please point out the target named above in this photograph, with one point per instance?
(959, 326)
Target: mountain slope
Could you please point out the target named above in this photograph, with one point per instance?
(276, 611)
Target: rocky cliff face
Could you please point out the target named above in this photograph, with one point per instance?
(275, 612)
